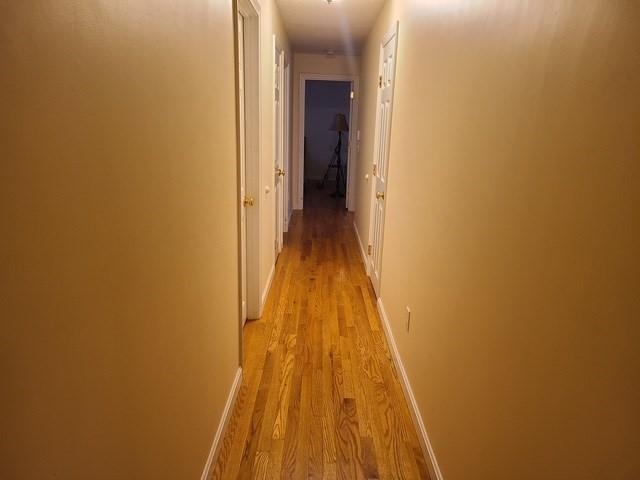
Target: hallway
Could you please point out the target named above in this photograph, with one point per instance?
(180, 301)
(320, 397)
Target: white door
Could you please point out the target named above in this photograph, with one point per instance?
(279, 144)
(243, 167)
(287, 155)
(381, 160)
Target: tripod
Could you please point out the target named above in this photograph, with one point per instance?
(336, 162)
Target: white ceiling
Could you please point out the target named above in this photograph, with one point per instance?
(316, 26)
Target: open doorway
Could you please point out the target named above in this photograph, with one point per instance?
(248, 76)
(328, 107)
(384, 114)
(280, 110)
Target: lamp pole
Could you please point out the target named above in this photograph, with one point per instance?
(338, 151)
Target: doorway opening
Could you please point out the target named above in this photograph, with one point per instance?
(384, 114)
(328, 122)
(288, 206)
(279, 144)
(248, 80)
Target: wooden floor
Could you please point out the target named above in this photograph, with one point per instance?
(320, 396)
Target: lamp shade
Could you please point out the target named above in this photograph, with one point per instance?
(339, 123)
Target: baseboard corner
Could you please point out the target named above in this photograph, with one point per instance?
(361, 247)
(222, 426)
(287, 222)
(267, 289)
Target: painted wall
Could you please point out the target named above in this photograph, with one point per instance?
(513, 232)
(270, 25)
(118, 200)
(318, 64)
(323, 101)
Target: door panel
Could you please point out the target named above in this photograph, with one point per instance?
(286, 104)
(381, 156)
(279, 148)
(243, 166)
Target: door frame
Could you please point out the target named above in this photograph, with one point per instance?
(350, 199)
(250, 10)
(287, 143)
(393, 30)
(240, 20)
(278, 136)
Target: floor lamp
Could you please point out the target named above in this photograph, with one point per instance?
(339, 125)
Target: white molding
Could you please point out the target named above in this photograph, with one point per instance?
(287, 165)
(289, 215)
(250, 9)
(298, 202)
(427, 449)
(277, 135)
(267, 288)
(244, 5)
(392, 31)
(222, 426)
(362, 249)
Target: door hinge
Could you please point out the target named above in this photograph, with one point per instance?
(380, 81)
(375, 169)
(370, 249)
(352, 95)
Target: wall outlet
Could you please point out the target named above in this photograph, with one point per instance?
(408, 318)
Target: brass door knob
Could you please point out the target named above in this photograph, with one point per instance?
(248, 201)
(380, 195)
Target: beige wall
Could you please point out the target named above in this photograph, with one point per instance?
(317, 64)
(271, 24)
(513, 232)
(119, 239)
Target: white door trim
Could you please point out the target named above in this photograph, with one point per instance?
(353, 128)
(278, 143)
(242, 165)
(250, 10)
(287, 142)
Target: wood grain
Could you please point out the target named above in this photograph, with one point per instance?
(320, 396)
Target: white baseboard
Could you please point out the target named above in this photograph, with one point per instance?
(267, 288)
(427, 449)
(222, 426)
(287, 222)
(362, 250)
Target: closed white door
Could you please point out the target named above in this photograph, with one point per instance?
(381, 160)
(286, 122)
(279, 148)
(243, 167)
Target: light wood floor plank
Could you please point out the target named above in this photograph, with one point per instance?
(320, 396)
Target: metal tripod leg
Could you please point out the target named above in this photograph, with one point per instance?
(326, 173)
